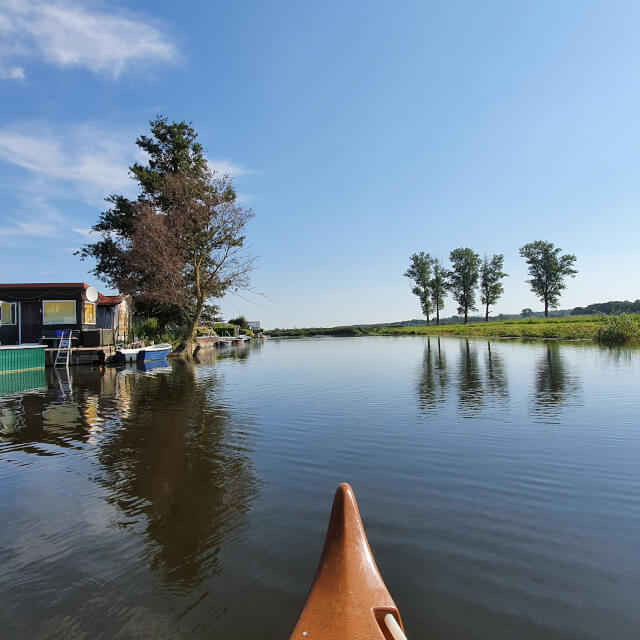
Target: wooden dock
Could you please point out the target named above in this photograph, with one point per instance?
(81, 355)
(98, 355)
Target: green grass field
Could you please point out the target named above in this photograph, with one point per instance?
(564, 328)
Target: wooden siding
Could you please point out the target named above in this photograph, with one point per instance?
(30, 313)
(8, 334)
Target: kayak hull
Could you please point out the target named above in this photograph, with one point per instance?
(348, 598)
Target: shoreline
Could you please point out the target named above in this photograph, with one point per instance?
(578, 328)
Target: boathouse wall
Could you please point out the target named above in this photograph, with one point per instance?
(29, 324)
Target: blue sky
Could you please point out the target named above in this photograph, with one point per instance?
(359, 132)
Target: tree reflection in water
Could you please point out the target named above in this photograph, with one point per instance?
(470, 385)
(433, 378)
(178, 467)
(555, 385)
(496, 374)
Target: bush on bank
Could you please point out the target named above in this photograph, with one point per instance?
(618, 329)
(149, 331)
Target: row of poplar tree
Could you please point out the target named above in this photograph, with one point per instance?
(432, 281)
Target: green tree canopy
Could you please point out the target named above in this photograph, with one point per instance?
(438, 286)
(172, 148)
(463, 279)
(420, 273)
(187, 246)
(491, 288)
(548, 270)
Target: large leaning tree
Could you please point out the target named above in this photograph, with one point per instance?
(185, 222)
(187, 245)
(491, 288)
(419, 272)
(463, 279)
(548, 270)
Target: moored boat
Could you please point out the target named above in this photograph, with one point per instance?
(127, 355)
(348, 598)
(154, 352)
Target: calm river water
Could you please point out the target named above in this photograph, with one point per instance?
(499, 483)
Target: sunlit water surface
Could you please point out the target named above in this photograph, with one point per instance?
(499, 484)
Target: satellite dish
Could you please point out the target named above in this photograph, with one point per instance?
(92, 294)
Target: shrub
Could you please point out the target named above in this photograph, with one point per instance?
(221, 329)
(149, 331)
(146, 329)
(618, 329)
(240, 321)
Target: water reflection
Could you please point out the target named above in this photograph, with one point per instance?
(171, 458)
(481, 380)
(555, 386)
(65, 413)
(155, 366)
(178, 466)
(144, 513)
(471, 392)
(433, 378)
(496, 374)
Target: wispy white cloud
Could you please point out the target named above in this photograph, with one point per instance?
(90, 157)
(244, 199)
(39, 220)
(83, 35)
(93, 158)
(82, 162)
(41, 229)
(230, 168)
(12, 73)
(87, 234)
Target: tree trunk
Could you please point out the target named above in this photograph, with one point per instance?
(486, 315)
(427, 318)
(465, 315)
(437, 316)
(546, 308)
(188, 344)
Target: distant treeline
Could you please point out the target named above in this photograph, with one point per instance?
(603, 308)
(613, 306)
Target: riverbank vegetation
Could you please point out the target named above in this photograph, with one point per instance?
(565, 328)
(617, 329)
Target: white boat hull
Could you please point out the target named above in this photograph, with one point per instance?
(127, 355)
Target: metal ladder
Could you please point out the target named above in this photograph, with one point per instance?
(64, 351)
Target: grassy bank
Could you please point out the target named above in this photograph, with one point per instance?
(565, 328)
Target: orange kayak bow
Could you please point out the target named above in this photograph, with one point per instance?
(348, 599)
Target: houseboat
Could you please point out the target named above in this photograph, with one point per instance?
(37, 313)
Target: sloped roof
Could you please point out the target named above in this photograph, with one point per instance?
(102, 300)
(46, 285)
(108, 300)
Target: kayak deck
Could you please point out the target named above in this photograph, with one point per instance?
(348, 598)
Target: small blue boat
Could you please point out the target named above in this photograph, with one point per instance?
(154, 352)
